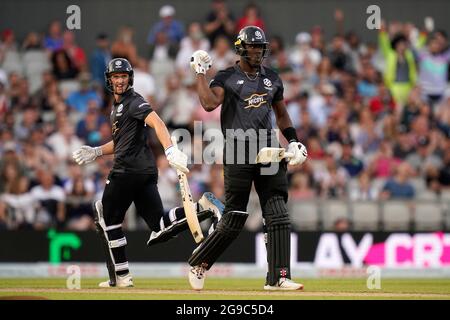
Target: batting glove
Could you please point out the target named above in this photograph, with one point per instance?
(86, 154)
(200, 62)
(177, 159)
(299, 151)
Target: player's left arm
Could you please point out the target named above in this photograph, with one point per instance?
(281, 114)
(284, 123)
(176, 158)
(155, 122)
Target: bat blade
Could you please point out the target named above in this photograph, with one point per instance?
(188, 204)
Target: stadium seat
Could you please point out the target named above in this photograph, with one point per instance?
(428, 216)
(396, 215)
(365, 215)
(333, 210)
(304, 215)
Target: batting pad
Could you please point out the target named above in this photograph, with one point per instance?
(216, 243)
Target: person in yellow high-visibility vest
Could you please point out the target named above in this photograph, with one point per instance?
(400, 74)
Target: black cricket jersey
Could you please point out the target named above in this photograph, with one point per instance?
(247, 101)
(132, 153)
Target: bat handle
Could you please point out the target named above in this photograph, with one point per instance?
(288, 155)
(174, 141)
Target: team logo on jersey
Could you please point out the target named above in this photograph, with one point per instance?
(120, 108)
(240, 82)
(267, 82)
(255, 100)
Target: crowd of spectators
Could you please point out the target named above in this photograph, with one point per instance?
(375, 117)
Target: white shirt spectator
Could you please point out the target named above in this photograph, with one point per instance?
(144, 84)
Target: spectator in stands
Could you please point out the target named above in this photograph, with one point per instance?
(382, 103)
(368, 85)
(17, 205)
(251, 17)
(341, 225)
(63, 143)
(124, 46)
(383, 163)
(424, 157)
(348, 161)
(100, 58)
(172, 29)
(400, 73)
(339, 57)
(79, 213)
(222, 55)
(433, 69)
(144, 83)
(50, 198)
(303, 57)
(79, 100)
(63, 67)
(364, 190)
(332, 181)
(321, 105)
(88, 128)
(54, 41)
(30, 120)
(10, 59)
(75, 53)
(167, 180)
(399, 186)
(219, 22)
(195, 40)
(404, 145)
(301, 187)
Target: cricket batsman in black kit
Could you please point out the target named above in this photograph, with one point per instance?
(248, 92)
(134, 175)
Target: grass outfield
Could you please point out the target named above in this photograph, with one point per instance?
(223, 289)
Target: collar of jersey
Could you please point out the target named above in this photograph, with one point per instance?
(262, 70)
(125, 95)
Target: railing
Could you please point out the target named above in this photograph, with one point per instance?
(338, 215)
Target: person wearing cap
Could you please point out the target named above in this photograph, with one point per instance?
(172, 28)
(303, 56)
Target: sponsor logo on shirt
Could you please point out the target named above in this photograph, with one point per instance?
(255, 100)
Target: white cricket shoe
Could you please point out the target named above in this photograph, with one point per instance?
(209, 202)
(284, 284)
(197, 277)
(125, 281)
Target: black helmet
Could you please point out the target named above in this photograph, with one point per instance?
(251, 35)
(118, 65)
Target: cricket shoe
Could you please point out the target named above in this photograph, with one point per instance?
(176, 227)
(284, 284)
(210, 202)
(197, 277)
(125, 281)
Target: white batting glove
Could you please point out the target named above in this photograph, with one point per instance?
(200, 61)
(299, 151)
(177, 159)
(86, 154)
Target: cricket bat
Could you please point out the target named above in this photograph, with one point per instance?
(188, 204)
(267, 155)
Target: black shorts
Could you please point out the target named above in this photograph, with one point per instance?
(124, 188)
(238, 184)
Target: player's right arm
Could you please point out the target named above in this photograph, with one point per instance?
(210, 98)
(87, 154)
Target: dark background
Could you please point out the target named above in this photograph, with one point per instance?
(283, 17)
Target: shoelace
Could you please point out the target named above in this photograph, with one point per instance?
(199, 271)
